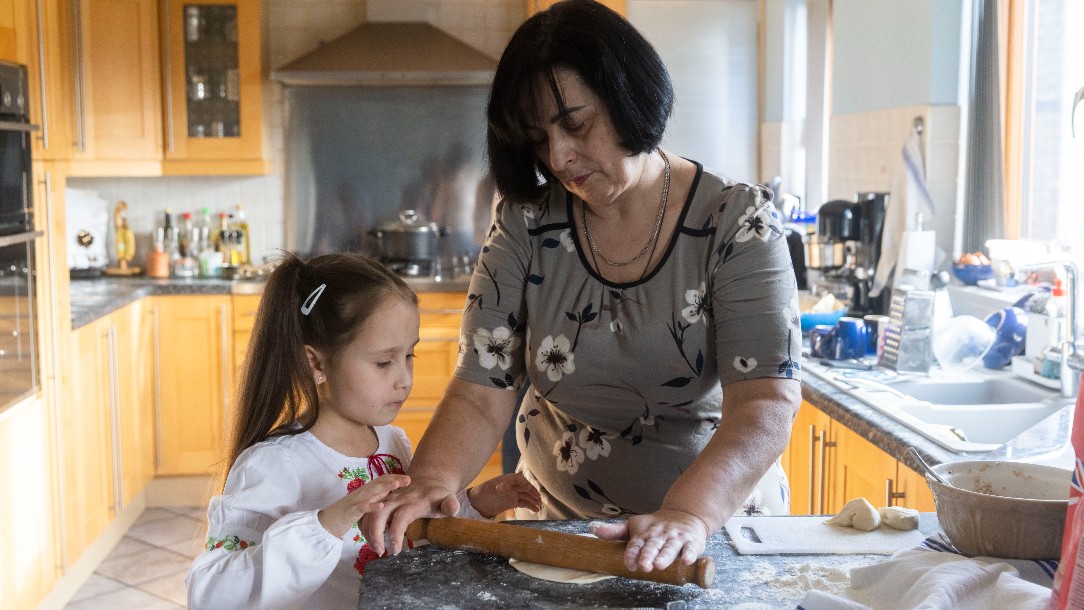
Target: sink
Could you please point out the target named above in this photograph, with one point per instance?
(973, 413)
(974, 391)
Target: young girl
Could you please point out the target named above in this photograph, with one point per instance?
(330, 364)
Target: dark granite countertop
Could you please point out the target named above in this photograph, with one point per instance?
(434, 577)
(94, 298)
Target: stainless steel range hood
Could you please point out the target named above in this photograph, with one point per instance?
(390, 53)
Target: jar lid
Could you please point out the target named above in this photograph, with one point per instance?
(412, 222)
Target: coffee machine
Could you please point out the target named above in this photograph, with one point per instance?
(842, 255)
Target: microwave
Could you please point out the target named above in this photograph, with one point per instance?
(15, 130)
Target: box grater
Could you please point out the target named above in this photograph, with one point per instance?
(908, 338)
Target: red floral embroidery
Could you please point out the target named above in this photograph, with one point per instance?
(352, 485)
(367, 554)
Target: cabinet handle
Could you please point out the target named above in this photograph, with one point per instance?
(164, 7)
(813, 440)
(890, 495)
(224, 327)
(822, 483)
(157, 391)
(114, 412)
(80, 91)
(41, 80)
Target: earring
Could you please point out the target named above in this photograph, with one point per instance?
(319, 379)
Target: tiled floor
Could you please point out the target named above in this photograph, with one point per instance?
(146, 570)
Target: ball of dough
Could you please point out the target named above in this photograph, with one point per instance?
(898, 517)
(859, 514)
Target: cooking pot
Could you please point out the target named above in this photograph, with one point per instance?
(410, 238)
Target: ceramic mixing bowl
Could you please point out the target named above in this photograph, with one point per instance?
(1010, 510)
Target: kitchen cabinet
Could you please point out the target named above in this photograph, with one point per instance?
(193, 358)
(213, 98)
(28, 548)
(42, 41)
(828, 464)
(117, 87)
(534, 6)
(245, 307)
(436, 356)
(87, 442)
(106, 426)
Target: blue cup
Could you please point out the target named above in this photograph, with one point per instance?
(851, 338)
(822, 341)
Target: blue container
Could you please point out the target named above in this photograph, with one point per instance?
(809, 320)
(1011, 327)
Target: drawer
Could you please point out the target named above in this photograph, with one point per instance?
(244, 311)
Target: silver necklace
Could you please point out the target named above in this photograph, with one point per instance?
(654, 232)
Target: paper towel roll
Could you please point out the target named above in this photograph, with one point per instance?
(918, 251)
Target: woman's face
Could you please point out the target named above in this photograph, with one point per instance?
(580, 146)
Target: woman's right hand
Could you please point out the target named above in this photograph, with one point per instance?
(343, 514)
(424, 498)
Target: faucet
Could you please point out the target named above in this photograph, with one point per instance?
(1072, 352)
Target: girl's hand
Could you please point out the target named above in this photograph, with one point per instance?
(658, 539)
(343, 514)
(503, 493)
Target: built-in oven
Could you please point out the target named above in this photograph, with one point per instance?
(18, 347)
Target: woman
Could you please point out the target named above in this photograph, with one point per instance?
(651, 304)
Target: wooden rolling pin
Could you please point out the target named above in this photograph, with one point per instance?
(552, 548)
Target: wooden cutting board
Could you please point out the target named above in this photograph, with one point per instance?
(809, 535)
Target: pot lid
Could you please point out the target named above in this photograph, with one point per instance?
(410, 221)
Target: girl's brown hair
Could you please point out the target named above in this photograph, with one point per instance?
(277, 384)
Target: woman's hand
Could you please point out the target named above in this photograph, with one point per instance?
(657, 539)
(503, 493)
(426, 497)
(343, 514)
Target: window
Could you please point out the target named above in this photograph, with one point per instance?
(1044, 161)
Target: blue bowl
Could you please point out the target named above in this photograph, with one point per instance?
(972, 274)
(809, 320)
(1011, 327)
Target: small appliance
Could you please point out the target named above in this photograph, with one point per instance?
(15, 130)
(843, 252)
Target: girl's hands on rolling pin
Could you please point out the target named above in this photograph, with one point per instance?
(503, 493)
(343, 514)
(657, 539)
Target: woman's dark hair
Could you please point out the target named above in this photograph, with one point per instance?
(614, 60)
(277, 384)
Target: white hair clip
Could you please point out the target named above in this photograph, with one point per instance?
(310, 302)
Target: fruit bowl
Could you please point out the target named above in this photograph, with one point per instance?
(972, 274)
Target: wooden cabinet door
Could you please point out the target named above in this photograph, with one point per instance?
(86, 442)
(915, 491)
(194, 374)
(45, 43)
(804, 461)
(245, 307)
(534, 6)
(118, 84)
(213, 97)
(864, 470)
(28, 549)
(133, 356)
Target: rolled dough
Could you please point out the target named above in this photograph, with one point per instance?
(556, 574)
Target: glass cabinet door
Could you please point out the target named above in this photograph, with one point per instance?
(212, 73)
(215, 112)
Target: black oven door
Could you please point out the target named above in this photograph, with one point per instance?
(15, 187)
(18, 347)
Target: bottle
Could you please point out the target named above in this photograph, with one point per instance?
(185, 263)
(241, 226)
(171, 235)
(1055, 306)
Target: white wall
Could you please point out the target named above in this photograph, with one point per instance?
(291, 29)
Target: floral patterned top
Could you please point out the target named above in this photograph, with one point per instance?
(625, 378)
(265, 545)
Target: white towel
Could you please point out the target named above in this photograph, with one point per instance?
(935, 575)
(910, 196)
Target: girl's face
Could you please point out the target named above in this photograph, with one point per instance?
(580, 146)
(372, 376)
